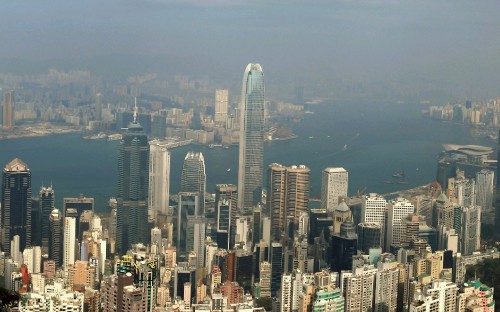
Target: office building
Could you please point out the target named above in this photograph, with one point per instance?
(188, 207)
(159, 180)
(98, 107)
(75, 207)
(334, 183)
(228, 193)
(370, 235)
(276, 266)
(46, 203)
(133, 180)
(69, 239)
(397, 210)
(343, 247)
(221, 106)
(16, 204)
(223, 215)
(8, 110)
(251, 153)
(484, 194)
(373, 209)
(193, 178)
(340, 215)
(497, 193)
(56, 237)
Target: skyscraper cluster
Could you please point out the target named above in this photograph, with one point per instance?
(243, 249)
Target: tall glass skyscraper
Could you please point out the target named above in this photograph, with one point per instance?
(251, 139)
(46, 206)
(133, 180)
(193, 177)
(16, 204)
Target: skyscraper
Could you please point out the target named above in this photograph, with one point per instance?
(193, 177)
(69, 239)
(297, 193)
(8, 119)
(397, 210)
(227, 193)
(484, 193)
(16, 204)
(334, 182)
(98, 106)
(251, 155)
(276, 190)
(46, 207)
(287, 197)
(159, 180)
(133, 180)
(221, 105)
(55, 238)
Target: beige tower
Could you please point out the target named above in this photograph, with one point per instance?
(340, 215)
(221, 106)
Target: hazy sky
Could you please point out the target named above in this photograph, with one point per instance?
(450, 44)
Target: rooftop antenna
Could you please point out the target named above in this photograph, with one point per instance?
(135, 110)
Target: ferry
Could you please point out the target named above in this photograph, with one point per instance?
(399, 174)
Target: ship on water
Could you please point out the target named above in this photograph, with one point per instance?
(400, 174)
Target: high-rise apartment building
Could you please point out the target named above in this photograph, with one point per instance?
(8, 111)
(159, 180)
(251, 154)
(133, 180)
(69, 239)
(16, 204)
(275, 199)
(46, 202)
(397, 211)
(297, 193)
(386, 290)
(193, 178)
(359, 291)
(441, 296)
(287, 197)
(334, 183)
(221, 106)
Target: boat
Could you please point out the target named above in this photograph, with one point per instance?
(228, 169)
(398, 174)
(403, 182)
(345, 147)
(311, 137)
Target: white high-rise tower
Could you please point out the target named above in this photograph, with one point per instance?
(334, 183)
(69, 241)
(251, 156)
(159, 180)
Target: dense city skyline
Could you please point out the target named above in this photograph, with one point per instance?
(357, 175)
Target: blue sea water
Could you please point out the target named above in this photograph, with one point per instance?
(369, 139)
